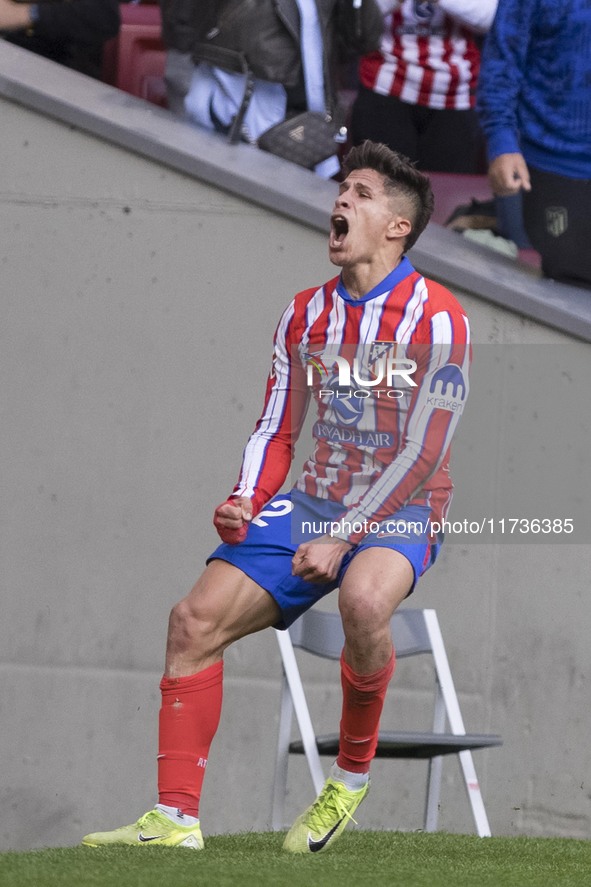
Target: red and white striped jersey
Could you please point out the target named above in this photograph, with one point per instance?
(426, 58)
(380, 441)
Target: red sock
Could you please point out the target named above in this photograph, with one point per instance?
(363, 700)
(189, 718)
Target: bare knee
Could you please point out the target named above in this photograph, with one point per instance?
(368, 641)
(194, 631)
(223, 606)
(365, 619)
(375, 584)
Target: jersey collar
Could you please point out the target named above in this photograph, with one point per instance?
(402, 270)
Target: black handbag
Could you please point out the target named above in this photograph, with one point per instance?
(306, 139)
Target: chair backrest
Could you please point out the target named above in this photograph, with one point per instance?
(134, 61)
(451, 190)
(322, 633)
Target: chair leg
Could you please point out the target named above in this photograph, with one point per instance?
(474, 794)
(435, 766)
(433, 794)
(298, 698)
(454, 715)
(281, 763)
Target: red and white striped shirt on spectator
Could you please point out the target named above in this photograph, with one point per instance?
(430, 52)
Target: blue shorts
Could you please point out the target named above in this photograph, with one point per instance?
(292, 518)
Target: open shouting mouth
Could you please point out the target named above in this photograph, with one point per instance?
(339, 228)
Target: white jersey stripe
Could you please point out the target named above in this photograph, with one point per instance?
(413, 313)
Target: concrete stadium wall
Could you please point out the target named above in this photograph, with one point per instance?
(138, 306)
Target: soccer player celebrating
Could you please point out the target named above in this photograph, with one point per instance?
(384, 355)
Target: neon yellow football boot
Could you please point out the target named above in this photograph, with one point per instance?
(153, 829)
(323, 822)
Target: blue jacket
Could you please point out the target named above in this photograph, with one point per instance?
(534, 92)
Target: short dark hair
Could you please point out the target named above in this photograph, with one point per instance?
(401, 177)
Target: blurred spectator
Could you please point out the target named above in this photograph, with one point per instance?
(417, 92)
(534, 102)
(72, 32)
(179, 33)
(290, 46)
(351, 26)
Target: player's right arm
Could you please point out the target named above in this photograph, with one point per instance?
(269, 451)
(231, 519)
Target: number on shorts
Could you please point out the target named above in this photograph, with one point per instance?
(276, 509)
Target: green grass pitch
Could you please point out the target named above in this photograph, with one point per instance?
(375, 859)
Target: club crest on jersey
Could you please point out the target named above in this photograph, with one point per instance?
(423, 9)
(380, 350)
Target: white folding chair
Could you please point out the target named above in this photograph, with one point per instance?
(414, 632)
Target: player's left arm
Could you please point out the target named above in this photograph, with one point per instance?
(320, 561)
